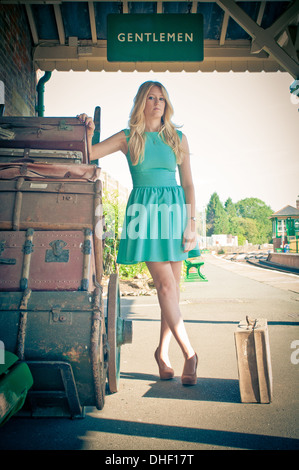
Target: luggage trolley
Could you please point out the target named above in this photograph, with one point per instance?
(52, 314)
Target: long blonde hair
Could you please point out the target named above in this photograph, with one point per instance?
(137, 125)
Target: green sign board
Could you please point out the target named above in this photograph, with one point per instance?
(155, 37)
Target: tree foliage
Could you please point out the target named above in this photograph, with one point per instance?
(114, 211)
(248, 219)
(217, 218)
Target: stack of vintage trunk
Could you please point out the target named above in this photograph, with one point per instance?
(51, 222)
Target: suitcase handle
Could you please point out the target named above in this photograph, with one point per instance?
(251, 322)
(25, 159)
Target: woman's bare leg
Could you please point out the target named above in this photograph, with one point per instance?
(166, 277)
(165, 332)
(165, 337)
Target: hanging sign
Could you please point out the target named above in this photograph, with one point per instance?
(155, 37)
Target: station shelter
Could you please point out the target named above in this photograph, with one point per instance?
(38, 36)
(285, 229)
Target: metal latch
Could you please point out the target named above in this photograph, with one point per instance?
(57, 316)
(63, 126)
(57, 253)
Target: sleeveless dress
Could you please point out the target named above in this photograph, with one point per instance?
(156, 214)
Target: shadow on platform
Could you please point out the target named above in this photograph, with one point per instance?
(207, 389)
(225, 439)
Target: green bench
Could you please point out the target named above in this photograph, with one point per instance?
(193, 273)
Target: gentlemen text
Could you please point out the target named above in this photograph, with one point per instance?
(155, 37)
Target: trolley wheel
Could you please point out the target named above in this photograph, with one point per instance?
(102, 368)
(119, 332)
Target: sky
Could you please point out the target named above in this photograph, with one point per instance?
(242, 128)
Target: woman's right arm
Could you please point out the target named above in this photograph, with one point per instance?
(113, 144)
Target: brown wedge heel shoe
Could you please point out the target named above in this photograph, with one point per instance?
(165, 372)
(189, 376)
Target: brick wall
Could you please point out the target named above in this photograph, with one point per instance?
(287, 259)
(16, 66)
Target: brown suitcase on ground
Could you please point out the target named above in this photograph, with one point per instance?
(49, 133)
(254, 361)
(45, 204)
(47, 260)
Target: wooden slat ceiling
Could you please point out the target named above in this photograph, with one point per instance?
(239, 36)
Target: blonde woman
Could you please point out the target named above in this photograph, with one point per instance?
(159, 226)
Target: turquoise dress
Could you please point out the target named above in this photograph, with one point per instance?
(156, 214)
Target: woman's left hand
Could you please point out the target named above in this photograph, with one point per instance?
(89, 124)
(189, 237)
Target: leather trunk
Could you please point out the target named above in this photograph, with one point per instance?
(28, 170)
(49, 204)
(47, 260)
(254, 361)
(49, 133)
(40, 156)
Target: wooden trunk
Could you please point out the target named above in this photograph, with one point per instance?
(61, 336)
